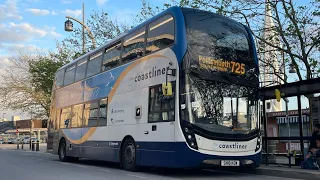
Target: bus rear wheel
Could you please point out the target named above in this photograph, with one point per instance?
(62, 153)
(128, 155)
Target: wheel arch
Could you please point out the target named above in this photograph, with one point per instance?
(62, 139)
(121, 146)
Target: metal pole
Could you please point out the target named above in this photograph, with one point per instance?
(300, 126)
(83, 42)
(87, 28)
(265, 130)
(30, 131)
(288, 127)
(2, 122)
(2, 129)
(287, 118)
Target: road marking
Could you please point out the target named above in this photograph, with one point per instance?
(142, 177)
(104, 170)
(65, 163)
(80, 166)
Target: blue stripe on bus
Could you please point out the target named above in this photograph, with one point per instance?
(159, 154)
(181, 156)
(180, 34)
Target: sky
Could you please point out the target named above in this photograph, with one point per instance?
(30, 25)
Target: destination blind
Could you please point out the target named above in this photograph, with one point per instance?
(221, 65)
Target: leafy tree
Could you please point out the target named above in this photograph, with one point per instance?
(102, 27)
(295, 31)
(27, 83)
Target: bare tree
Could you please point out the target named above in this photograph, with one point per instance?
(295, 36)
(27, 82)
(102, 27)
(16, 90)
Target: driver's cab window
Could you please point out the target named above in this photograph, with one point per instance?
(194, 101)
(161, 108)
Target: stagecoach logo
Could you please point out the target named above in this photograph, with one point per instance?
(113, 143)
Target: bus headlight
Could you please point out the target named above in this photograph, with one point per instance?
(188, 133)
(258, 143)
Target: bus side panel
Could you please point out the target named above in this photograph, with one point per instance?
(102, 150)
(131, 90)
(132, 93)
(179, 155)
(159, 154)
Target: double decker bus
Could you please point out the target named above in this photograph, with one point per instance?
(179, 91)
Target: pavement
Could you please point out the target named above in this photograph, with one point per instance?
(285, 171)
(31, 165)
(282, 171)
(26, 147)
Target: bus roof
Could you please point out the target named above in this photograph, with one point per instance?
(173, 10)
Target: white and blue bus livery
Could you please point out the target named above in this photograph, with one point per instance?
(180, 91)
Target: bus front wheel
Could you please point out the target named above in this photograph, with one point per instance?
(128, 155)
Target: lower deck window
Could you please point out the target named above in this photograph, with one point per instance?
(161, 108)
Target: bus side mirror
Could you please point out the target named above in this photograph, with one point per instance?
(167, 89)
(277, 94)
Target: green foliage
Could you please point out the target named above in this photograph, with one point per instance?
(101, 26)
(42, 73)
(296, 30)
(28, 81)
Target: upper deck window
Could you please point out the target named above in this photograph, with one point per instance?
(94, 64)
(59, 78)
(216, 36)
(160, 34)
(111, 57)
(219, 45)
(133, 45)
(69, 75)
(81, 70)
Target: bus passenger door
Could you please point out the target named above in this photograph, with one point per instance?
(159, 148)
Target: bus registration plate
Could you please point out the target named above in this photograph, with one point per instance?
(230, 163)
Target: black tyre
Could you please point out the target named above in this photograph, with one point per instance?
(128, 155)
(75, 159)
(63, 151)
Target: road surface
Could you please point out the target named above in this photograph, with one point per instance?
(17, 164)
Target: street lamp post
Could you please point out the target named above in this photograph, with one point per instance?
(68, 26)
(2, 129)
(286, 100)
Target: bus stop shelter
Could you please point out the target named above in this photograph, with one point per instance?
(295, 90)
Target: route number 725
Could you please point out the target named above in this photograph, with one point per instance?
(238, 68)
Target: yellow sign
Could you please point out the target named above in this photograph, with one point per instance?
(221, 65)
(277, 94)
